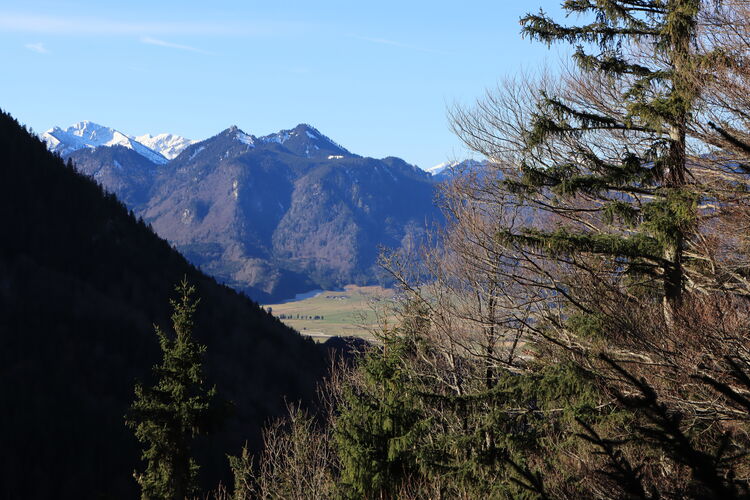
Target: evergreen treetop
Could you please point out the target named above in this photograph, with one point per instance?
(607, 151)
(168, 415)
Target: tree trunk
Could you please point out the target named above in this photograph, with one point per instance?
(672, 280)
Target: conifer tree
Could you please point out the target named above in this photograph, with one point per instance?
(168, 415)
(377, 428)
(610, 156)
(658, 100)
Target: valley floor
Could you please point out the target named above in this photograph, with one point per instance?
(354, 311)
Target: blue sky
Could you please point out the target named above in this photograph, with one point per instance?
(377, 77)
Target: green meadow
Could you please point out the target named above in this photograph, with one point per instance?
(354, 311)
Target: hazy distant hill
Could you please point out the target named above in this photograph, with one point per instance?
(81, 284)
(275, 215)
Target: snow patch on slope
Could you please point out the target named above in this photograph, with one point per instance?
(279, 137)
(196, 152)
(245, 138)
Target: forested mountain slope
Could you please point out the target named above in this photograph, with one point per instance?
(274, 215)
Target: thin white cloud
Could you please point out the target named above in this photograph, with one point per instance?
(38, 47)
(393, 43)
(162, 43)
(86, 26)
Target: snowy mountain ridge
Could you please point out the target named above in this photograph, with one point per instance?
(303, 139)
(449, 169)
(441, 167)
(168, 145)
(91, 135)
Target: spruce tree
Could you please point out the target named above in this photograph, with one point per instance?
(623, 151)
(168, 415)
(377, 428)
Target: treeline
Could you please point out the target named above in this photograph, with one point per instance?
(300, 316)
(582, 328)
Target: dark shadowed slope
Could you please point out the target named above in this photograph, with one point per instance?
(81, 283)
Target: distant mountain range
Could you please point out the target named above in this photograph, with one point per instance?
(271, 216)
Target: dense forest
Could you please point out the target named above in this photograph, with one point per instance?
(82, 282)
(580, 329)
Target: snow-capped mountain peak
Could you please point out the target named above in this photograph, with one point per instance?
(168, 145)
(307, 140)
(441, 167)
(449, 169)
(88, 134)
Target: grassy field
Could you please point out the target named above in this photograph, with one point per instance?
(351, 312)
